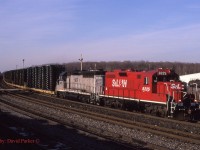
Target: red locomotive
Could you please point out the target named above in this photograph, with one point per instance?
(159, 91)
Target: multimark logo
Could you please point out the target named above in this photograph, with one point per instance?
(119, 83)
(176, 86)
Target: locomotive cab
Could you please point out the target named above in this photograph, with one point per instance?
(179, 103)
(164, 76)
(166, 81)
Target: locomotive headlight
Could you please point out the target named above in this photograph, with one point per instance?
(180, 104)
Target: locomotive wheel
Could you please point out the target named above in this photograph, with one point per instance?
(88, 100)
(163, 113)
(102, 102)
(120, 105)
(84, 100)
(179, 115)
(113, 105)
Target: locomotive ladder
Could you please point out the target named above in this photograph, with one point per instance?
(173, 105)
(170, 102)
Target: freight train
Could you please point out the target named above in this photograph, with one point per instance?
(158, 92)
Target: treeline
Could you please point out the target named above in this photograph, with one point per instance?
(179, 67)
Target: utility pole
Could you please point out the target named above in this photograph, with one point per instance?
(23, 62)
(81, 60)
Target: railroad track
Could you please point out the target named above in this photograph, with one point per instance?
(131, 116)
(154, 120)
(57, 139)
(60, 120)
(124, 123)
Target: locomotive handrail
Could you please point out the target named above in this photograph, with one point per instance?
(167, 88)
(172, 95)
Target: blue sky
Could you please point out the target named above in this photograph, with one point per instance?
(59, 31)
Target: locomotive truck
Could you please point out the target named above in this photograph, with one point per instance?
(158, 92)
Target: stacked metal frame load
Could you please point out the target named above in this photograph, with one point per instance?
(8, 76)
(17, 77)
(29, 77)
(54, 72)
(47, 87)
(43, 84)
(25, 77)
(33, 77)
(21, 77)
(39, 78)
(51, 71)
(13, 77)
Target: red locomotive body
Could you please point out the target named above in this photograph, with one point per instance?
(144, 86)
(159, 91)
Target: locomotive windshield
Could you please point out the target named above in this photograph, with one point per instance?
(165, 76)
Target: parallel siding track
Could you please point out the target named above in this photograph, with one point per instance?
(24, 103)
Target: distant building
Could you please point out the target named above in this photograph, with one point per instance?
(189, 77)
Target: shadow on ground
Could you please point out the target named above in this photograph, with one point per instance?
(23, 133)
